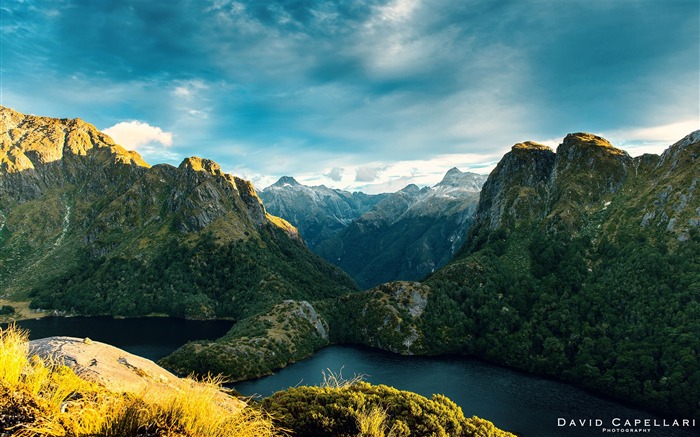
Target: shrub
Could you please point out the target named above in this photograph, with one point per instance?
(362, 409)
(6, 310)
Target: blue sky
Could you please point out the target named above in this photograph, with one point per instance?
(363, 94)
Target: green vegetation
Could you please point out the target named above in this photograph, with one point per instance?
(627, 327)
(584, 266)
(386, 317)
(206, 279)
(256, 346)
(7, 310)
(602, 291)
(362, 409)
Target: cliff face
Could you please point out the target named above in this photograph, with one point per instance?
(517, 188)
(80, 213)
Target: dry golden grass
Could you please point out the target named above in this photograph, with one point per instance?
(372, 422)
(45, 399)
(337, 380)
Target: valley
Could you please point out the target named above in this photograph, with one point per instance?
(579, 264)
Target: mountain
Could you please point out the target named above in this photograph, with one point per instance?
(318, 212)
(408, 234)
(90, 228)
(582, 264)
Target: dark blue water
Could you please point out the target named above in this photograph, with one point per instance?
(148, 337)
(528, 405)
(525, 404)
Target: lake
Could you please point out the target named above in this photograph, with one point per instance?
(515, 401)
(528, 405)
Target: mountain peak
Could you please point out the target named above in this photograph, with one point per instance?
(590, 140)
(530, 145)
(28, 142)
(286, 180)
(201, 164)
(410, 188)
(453, 171)
(465, 180)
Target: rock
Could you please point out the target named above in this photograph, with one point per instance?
(114, 368)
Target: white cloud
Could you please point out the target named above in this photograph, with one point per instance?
(398, 10)
(189, 89)
(335, 174)
(368, 173)
(135, 134)
(150, 141)
(656, 139)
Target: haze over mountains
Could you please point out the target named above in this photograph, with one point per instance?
(581, 263)
(379, 238)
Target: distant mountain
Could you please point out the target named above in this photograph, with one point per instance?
(408, 234)
(87, 227)
(582, 264)
(318, 212)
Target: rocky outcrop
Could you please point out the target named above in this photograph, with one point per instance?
(587, 172)
(40, 153)
(115, 369)
(518, 187)
(386, 317)
(669, 195)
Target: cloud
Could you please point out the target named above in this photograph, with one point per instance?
(136, 134)
(189, 89)
(655, 139)
(368, 173)
(302, 87)
(336, 174)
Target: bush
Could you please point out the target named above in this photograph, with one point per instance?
(362, 409)
(6, 310)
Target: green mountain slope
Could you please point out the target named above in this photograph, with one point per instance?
(582, 264)
(89, 228)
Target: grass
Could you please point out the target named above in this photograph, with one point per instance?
(337, 380)
(39, 398)
(372, 422)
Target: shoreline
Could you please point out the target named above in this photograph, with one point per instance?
(22, 311)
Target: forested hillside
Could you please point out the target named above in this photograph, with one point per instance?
(583, 265)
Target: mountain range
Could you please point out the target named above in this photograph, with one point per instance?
(318, 212)
(581, 263)
(380, 238)
(90, 228)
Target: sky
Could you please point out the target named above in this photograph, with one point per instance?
(365, 95)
